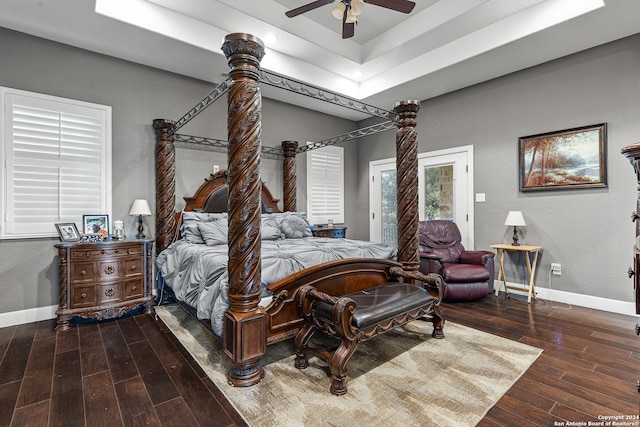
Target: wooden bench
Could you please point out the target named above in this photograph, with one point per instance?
(362, 315)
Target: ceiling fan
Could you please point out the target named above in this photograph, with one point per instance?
(348, 10)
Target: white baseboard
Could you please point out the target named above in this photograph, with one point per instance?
(597, 303)
(27, 316)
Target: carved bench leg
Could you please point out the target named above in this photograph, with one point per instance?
(338, 366)
(300, 343)
(438, 323)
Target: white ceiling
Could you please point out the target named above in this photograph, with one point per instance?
(442, 46)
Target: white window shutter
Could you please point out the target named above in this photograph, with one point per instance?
(56, 163)
(325, 185)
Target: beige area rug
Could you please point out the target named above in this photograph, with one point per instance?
(395, 379)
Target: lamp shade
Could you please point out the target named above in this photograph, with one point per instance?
(351, 17)
(140, 207)
(515, 218)
(338, 11)
(357, 6)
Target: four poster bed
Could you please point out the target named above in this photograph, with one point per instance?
(240, 260)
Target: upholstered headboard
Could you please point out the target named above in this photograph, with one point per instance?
(213, 194)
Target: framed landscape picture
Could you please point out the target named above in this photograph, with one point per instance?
(566, 159)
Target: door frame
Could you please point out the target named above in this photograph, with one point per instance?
(465, 149)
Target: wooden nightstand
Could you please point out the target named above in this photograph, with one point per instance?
(103, 280)
(335, 232)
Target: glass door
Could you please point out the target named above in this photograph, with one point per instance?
(445, 189)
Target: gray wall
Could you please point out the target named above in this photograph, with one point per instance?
(137, 94)
(588, 231)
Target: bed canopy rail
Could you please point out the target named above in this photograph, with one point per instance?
(276, 80)
(212, 97)
(218, 145)
(244, 338)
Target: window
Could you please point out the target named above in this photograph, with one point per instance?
(56, 162)
(325, 185)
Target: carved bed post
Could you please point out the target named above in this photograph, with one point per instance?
(165, 184)
(407, 183)
(289, 176)
(244, 336)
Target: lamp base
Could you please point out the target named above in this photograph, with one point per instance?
(140, 234)
(515, 237)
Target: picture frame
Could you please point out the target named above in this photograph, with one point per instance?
(562, 160)
(96, 224)
(68, 231)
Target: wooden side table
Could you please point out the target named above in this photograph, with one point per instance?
(531, 255)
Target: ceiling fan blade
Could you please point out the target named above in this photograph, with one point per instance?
(307, 7)
(348, 30)
(403, 6)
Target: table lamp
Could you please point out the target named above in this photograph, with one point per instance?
(515, 219)
(140, 207)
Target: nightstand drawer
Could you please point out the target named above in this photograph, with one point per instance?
(78, 254)
(81, 272)
(83, 296)
(133, 288)
(108, 270)
(109, 293)
(133, 267)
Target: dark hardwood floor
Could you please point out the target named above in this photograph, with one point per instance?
(133, 372)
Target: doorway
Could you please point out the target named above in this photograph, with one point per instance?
(445, 191)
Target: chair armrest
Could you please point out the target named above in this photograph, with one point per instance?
(430, 255)
(476, 257)
(430, 263)
(432, 282)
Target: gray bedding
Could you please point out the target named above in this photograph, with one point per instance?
(195, 267)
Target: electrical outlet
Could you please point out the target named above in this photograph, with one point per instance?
(556, 268)
(216, 168)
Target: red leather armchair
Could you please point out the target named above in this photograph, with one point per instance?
(467, 275)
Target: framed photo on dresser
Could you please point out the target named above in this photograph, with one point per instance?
(96, 224)
(68, 232)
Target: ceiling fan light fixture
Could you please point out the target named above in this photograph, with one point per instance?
(357, 6)
(338, 11)
(351, 17)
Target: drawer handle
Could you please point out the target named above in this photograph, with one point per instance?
(83, 272)
(83, 295)
(630, 272)
(134, 288)
(133, 267)
(110, 292)
(109, 269)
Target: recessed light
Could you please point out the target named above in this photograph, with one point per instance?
(270, 39)
(356, 74)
